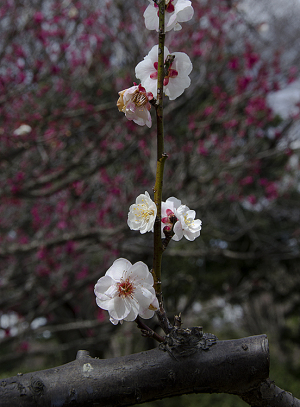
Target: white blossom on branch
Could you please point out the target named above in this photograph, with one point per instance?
(142, 214)
(190, 226)
(126, 291)
(176, 78)
(134, 102)
(177, 11)
(181, 219)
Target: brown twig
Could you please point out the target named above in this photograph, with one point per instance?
(148, 332)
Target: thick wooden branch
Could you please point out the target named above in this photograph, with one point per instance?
(238, 367)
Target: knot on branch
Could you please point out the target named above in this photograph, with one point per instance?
(183, 342)
(37, 386)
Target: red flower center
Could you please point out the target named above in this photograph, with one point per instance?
(125, 288)
(169, 6)
(172, 73)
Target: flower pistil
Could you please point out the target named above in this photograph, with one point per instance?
(169, 6)
(125, 288)
(169, 72)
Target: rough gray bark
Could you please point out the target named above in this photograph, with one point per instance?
(238, 367)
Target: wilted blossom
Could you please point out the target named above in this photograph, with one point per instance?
(177, 11)
(134, 102)
(175, 81)
(142, 214)
(181, 219)
(126, 291)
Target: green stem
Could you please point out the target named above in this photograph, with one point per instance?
(161, 157)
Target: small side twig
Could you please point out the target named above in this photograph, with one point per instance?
(177, 321)
(161, 314)
(148, 332)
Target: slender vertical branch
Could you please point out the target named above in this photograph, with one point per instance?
(161, 157)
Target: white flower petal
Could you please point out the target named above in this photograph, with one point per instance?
(103, 284)
(150, 16)
(184, 11)
(132, 314)
(177, 27)
(117, 269)
(144, 298)
(146, 313)
(182, 63)
(146, 67)
(144, 117)
(148, 281)
(176, 87)
(190, 235)
(139, 272)
(178, 231)
(174, 201)
(104, 304)
(170, 21)
(115, 321)
(197, 224)
(149, 312)
(119, 308)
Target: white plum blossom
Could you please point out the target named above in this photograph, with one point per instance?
(181, 219)
(126, 291)
(142, 214)
(176, 80)
(134, 102)
(22, 130)
(177, 11)
(190, 226)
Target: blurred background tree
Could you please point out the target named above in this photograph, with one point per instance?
(67, 180)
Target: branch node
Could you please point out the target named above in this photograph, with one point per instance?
(82, 354)
(177, 321)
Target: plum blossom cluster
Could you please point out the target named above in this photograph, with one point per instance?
(134, 101)
(127, 291)
(177, 220)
